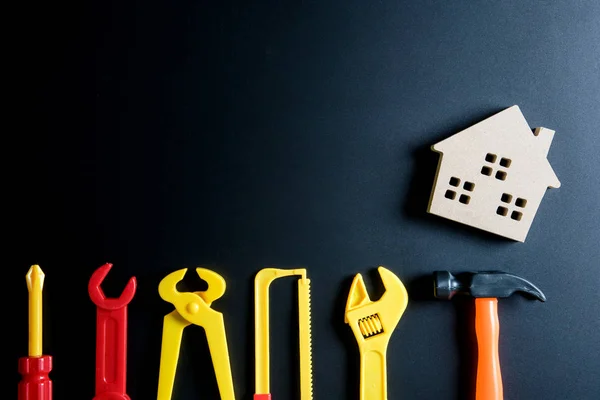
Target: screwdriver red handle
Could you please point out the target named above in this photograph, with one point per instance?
(35, 383)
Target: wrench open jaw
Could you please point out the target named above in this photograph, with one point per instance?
(373, 323)
(97, 294)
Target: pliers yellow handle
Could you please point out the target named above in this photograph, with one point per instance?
(193, 308)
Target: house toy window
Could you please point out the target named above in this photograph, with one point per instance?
(503, 210)
(491, 159)
(464, 198)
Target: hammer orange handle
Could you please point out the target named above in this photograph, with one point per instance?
(487, 328)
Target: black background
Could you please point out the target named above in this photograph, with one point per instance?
(239, 135)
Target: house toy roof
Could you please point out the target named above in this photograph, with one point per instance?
(507, 131)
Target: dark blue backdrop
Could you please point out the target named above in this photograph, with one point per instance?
(239, 135)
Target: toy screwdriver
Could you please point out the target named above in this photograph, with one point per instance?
(34, 369)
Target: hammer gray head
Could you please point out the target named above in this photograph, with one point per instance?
(485, 284)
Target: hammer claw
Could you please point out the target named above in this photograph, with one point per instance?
(484, 284)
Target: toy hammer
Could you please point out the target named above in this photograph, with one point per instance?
(486, 287)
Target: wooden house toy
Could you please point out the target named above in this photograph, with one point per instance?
(494, 174)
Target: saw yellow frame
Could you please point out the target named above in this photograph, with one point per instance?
(262, 281)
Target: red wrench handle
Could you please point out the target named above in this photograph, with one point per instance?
(111, 354)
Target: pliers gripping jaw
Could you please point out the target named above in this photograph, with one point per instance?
(193, 308)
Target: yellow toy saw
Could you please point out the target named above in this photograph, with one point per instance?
(262, 281)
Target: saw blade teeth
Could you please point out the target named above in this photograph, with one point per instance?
(305, 340)
(309, 341)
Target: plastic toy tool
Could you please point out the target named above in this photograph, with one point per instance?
(193, 308)
(373, 323)
(34, 369)
(486, 287)
(262, 281)
(111, 337)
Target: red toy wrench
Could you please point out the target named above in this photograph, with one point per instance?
(111, 337)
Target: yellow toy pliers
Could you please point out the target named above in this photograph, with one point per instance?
(193, 308)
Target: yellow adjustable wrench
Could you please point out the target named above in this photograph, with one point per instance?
(193, 308)
(373, 323)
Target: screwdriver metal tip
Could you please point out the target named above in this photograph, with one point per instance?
(35, 278)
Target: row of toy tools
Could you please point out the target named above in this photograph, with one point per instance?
(190, 308)
(372, 323)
